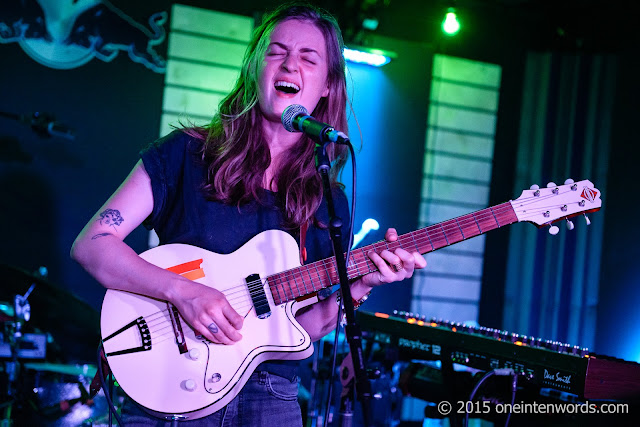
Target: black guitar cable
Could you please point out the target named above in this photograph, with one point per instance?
(501, 372)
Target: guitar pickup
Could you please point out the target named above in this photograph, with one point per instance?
(258, 297)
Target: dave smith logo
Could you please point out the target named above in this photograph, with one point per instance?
(557, 377)
(589, 194)
(66, 34)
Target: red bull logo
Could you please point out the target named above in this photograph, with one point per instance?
(67, 34)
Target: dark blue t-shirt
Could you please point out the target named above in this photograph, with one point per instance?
(182, 213)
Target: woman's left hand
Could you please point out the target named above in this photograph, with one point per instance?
(393, 266)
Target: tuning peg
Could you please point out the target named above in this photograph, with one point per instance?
(534, 187)
(570, 225)
(551, 184)
(569, 181)
(586, 219)
(553, 230)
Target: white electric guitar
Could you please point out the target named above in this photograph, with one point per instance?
(162, 364)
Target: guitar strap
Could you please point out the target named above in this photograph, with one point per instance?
(303, 239)
(96, 384)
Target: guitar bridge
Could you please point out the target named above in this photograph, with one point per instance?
(143, 330)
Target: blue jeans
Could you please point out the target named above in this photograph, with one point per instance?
(265, 400)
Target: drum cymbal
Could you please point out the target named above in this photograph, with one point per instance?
(6, 311)
(72, 322)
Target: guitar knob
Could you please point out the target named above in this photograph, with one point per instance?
(553, 230)
(570, 225)
(534, 187)
(587, 220)
(194, 354)
(569, 181)
(190, 384)
(551, 184)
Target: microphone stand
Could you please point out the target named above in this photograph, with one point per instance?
(352, 330)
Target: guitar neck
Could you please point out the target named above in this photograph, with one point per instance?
(307, 279)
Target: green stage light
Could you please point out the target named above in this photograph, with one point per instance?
(450, 24)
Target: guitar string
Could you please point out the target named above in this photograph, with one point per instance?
(164, 324)
(160, 325)
(156, 323)
(287, 276)
(281, 281)
(537, 199)
(453, 224)
(456, 223)
(284, 279)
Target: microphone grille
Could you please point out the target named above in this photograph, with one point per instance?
(290, 113)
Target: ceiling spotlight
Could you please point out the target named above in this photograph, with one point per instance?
(362, 55)
(450, 24)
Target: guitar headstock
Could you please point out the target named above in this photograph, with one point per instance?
(543, 206)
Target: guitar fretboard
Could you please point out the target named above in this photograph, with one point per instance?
(307, 279)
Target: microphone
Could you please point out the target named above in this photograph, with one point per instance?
(45, 125)
(296, 118)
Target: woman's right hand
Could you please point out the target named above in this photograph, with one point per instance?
(205, 309)
(208, 312)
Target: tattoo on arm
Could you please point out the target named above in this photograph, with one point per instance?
(97, 236)
(110, 217)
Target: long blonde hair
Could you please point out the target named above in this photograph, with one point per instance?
(235, 150)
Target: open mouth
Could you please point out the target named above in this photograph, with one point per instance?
(287, 87)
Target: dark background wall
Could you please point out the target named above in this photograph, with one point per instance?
(51, 187)
(54, 184)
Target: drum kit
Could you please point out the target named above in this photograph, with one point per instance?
(44, 379)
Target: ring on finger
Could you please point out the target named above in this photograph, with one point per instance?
(213, 328)
(397, 267)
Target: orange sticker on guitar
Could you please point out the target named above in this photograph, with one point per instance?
(589, 194)
(191, 270)
(194, 275)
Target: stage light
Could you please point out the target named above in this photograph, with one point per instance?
(368, 225)
(375, 57)
(370, 24)
(450, 24)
